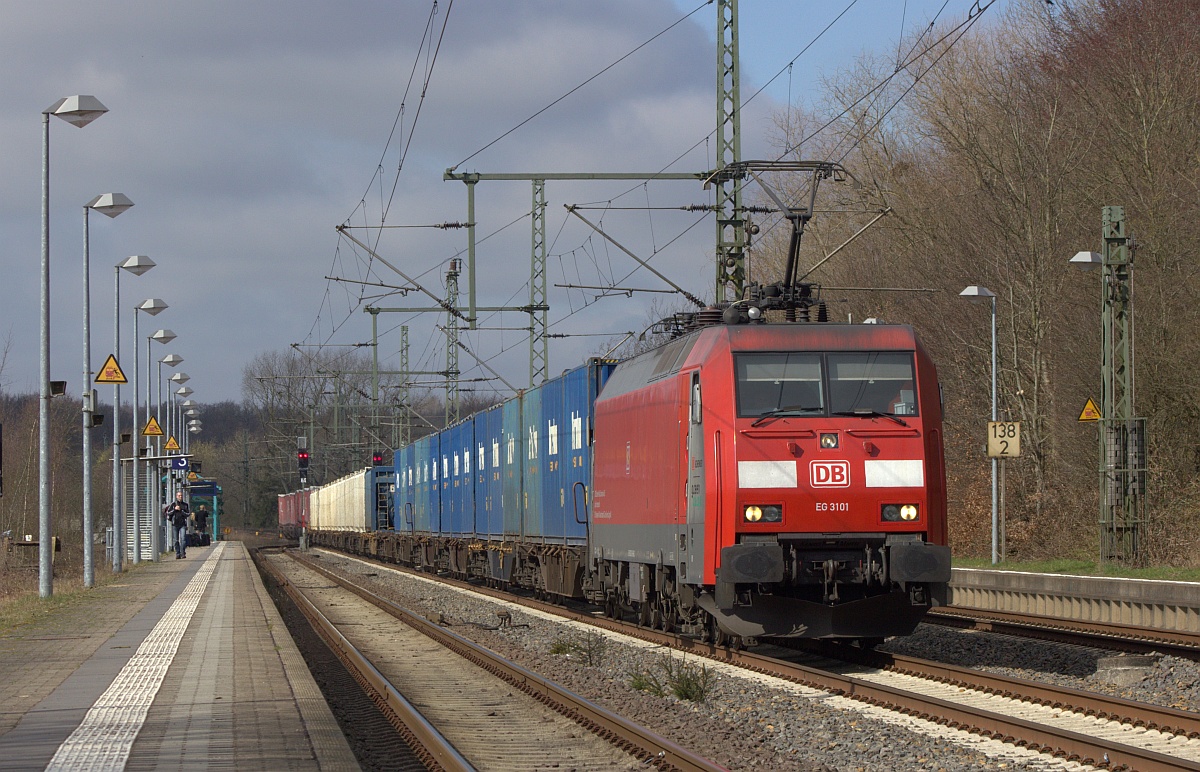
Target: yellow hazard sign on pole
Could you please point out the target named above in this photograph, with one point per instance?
(171, 445)
(1090, 412)
(110, 372)
(152, 429)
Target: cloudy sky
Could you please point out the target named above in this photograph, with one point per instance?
(247, 131)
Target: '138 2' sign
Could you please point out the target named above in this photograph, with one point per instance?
(1004, 439)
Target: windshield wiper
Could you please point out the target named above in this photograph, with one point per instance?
(779, 411)
(868, 413)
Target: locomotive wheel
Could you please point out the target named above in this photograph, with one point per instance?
(670, 617)
(716, 635)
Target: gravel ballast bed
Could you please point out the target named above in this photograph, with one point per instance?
(746, 721)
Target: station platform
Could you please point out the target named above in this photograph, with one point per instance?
(182, 664)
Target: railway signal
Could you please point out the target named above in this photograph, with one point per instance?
(377, 458)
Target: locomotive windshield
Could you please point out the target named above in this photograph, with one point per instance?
(799, 384)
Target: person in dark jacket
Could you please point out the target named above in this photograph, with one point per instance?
(201, 519)
(177, 513)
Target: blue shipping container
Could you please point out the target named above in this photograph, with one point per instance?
(511, 465)
(489, 485)
(458, 489)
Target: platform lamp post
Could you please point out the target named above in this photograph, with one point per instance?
(977, 293)
(195, 426)
(168, 408)
(187, 404)
(110, 204)
(78, 111)
(193, 416)
(155, 500)
(185, 392)
(178, 379)
(159, 405)
(137, 265)
(153, 307)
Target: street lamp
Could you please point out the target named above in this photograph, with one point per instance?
(137, 265)
(177, 378)
(110, 204)
(170, 360)
(976, 293)
(186, 392)
(153, 307)
(78, 111)
(162, 336)
(155, 500)
(188, 407)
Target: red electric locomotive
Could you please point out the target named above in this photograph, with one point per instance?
(772, 480)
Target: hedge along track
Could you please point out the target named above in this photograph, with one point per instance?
(639, 747)
(1079, 726)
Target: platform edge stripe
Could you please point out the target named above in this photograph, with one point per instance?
(104, 739)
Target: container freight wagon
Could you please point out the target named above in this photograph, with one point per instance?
(503, 495)
(293, 513)
(381, 497)
(339, 509)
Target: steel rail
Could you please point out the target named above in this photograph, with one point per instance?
(655, 749)
(429, 744)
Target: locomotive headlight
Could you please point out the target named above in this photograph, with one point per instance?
(829, 440)
(764, 513)
(894, 513)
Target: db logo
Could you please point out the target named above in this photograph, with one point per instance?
(829, 474)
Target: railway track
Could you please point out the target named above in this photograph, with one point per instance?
(1126, 638)
(1082, 726)
(467, 707)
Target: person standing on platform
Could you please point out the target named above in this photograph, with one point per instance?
(177, 512)
(201, 518)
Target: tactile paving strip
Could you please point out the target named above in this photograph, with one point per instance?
(104, 739)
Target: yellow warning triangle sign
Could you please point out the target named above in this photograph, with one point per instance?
(152, 429)
(171, 445)
(110, 372)
(1090, 412)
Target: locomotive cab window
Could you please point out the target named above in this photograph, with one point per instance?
(783, 383)
(872, 381)
(810, 384)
